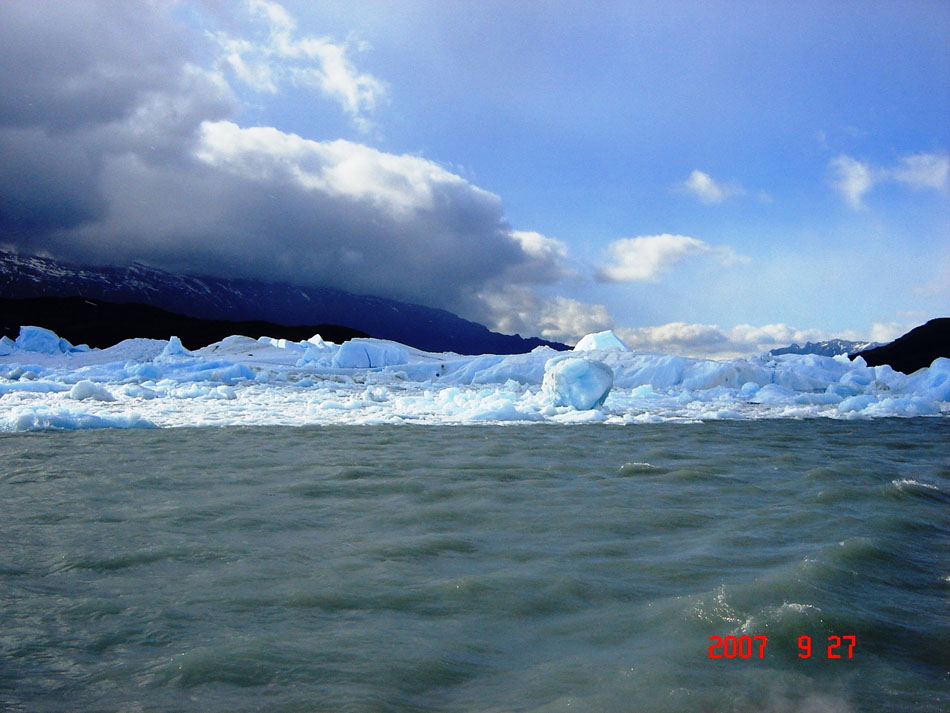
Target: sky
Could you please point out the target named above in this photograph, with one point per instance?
(705, 178)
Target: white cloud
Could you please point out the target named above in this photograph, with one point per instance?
(853, 178)
(516, 309)
(923, 170)
(711, 341)
(401, 184)
(709, 191)
(547, 259)
(283, 57)
(888, 331)
(540, 246)
(645, 257)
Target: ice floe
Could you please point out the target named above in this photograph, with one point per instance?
(580, 383)
(46, 383)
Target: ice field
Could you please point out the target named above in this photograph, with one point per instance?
(47, 383)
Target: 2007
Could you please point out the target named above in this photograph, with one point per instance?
(736, 646)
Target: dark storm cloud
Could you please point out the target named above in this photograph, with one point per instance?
(81, 82)
(78, 63)
(114, 146)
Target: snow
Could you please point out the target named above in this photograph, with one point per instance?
(46, 383)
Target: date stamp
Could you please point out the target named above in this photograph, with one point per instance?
(747, 647)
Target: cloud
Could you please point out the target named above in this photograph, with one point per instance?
(853, 179)
(283, 57)
(548, 260)
(645, 257)
(714, 342)
(154, 168)
(68, 64)
(711, 341)
(515, 309)
(923, 170)
(128, 82)
(709, 191)
(885, 332)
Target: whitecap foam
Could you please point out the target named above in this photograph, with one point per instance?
(904, 484)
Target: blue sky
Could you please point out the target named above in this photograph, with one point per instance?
(708, 178)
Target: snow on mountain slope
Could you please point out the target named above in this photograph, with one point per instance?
(831, 347)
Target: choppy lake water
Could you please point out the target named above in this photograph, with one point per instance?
(519, 568)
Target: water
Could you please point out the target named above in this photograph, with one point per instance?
(521, 568)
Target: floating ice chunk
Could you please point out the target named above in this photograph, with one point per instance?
(43, 341)
(704, 375)
(748, 389)
(282, 343)
(32, 387)
(601, 340)
(773, 395)
(587, 416)
(86, 389)
(520, 368)
(856, 403)
(933, 381)
(144, 371)
(578, 382)
(314, 356)
(140, 392)
(320, 343)
(317, 351)
(42, 418)
(369, 353)
(174, 348)
(902, 406)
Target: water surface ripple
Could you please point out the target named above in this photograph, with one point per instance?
(412, 568)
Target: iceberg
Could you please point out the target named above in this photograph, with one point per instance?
(369, 354)
(86, 389)
(601, 340)
(42, 341)
(578, 382)
(174, 348)
(45, 383)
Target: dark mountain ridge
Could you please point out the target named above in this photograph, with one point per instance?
(101, 324)
(915, 350)
(214, 298)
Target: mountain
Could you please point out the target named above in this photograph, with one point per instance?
(101, 324)
(914, 350)
(215, 298)
(831, 347)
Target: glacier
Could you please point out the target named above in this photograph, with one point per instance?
(46, 383)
